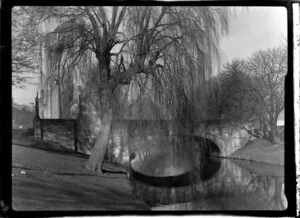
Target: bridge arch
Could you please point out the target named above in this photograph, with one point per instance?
(216, 143)
(228, 136)
(211, 145)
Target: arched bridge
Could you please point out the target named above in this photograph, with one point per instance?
(228, 136)
(223, 137)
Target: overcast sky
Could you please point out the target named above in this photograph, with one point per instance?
(254, 28)
(251, 29)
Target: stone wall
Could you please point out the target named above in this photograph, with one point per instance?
(127, 136)
(133, 136)
(60, 131)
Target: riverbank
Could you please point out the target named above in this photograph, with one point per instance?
(48, 177)
(261, 151)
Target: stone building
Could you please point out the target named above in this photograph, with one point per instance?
(60, 82)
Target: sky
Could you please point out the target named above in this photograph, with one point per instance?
(250, 29)
(253, 28)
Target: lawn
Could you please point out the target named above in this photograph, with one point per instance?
(48, 177)
(260, 150)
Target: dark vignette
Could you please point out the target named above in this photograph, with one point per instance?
(6, 110)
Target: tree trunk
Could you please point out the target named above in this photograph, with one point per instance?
(273, 135)
(96, 158)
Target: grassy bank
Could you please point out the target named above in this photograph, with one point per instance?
(49, 177)
(261, 151)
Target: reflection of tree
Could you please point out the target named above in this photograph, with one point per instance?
(254, 180)
(276, 202)
(257, 181)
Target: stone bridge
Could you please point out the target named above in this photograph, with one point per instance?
(228, 136)
(222, 138)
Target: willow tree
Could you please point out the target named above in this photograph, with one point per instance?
(174, 47)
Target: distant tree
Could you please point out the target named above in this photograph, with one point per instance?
(228, 93)
(24, 47)
(268, 69)
(26, 38)
(253, 91)
(238, 100)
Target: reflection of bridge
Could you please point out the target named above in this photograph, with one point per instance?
(223, 180)
(229, 179)
(176, 146)
(231, 187)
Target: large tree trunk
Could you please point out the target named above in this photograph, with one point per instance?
(96, 158)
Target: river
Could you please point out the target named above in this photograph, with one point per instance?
(221, 184)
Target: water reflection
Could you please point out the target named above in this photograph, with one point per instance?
(182, 161)
(221, 184)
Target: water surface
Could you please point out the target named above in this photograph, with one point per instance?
(218, 184)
